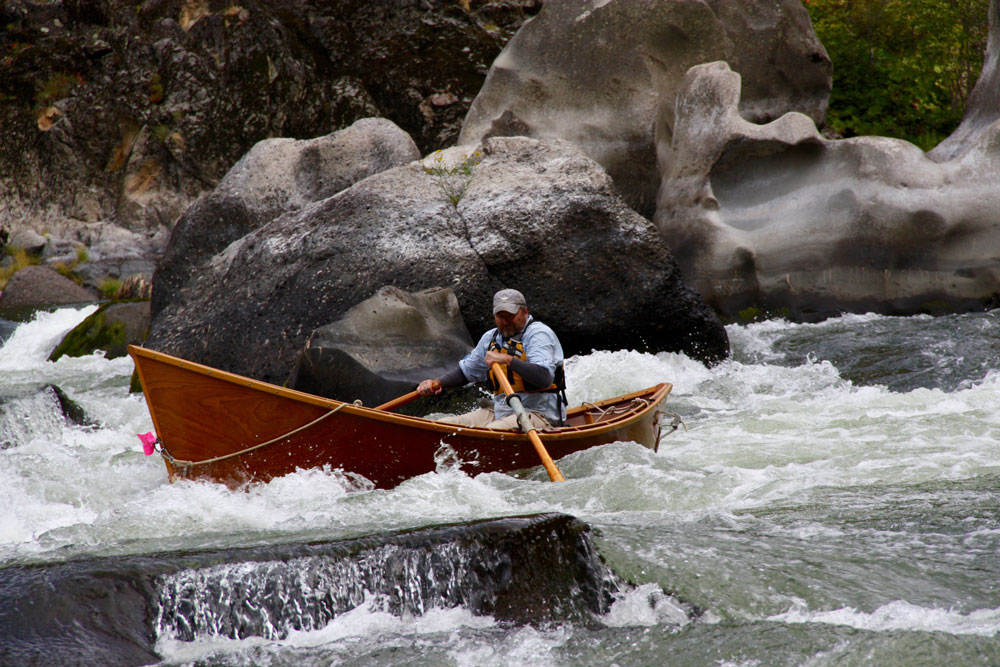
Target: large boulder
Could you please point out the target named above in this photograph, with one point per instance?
(42, 286)
(277, 176)
(539, 216)
(597, 73)
(126, 112)
(385, 345)
(776, 218)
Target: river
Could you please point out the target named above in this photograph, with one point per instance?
(830, 500)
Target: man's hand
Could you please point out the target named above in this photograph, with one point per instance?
(429, 387)
(497, 357)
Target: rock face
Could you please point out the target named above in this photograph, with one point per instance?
(384, 346)
(275, 177)
(596, 73)
(42, 286)
(538, 216)
(775, 217)
(126, 112)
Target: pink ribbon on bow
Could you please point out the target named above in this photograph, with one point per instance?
(148, 442)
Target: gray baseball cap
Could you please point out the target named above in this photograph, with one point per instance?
(508, 300)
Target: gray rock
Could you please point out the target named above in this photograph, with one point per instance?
(28, 240)
(382, 347)
(777, 218)
(536, 215)
(275, 177)
(597, 74)
(42, 286)
(111, 329)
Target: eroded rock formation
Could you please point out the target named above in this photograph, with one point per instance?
(778, 218)
(596, 73)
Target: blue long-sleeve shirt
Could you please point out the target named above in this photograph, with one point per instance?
(542, 347)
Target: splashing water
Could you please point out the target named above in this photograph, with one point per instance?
(831, 498)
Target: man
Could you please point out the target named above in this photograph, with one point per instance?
(530, 355)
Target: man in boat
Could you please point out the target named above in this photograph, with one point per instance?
(529, 353)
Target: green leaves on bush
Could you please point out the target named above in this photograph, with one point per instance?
(901, 68)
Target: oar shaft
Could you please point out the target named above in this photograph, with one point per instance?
(399, 402)
(525, 422)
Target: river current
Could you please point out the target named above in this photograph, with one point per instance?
(832, 499)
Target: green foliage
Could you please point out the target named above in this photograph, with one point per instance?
(66, 271)
(69, 270)
(94, 333)
(20, 258)
(109, 287)
(452, 178)
(56, 87)
(901, 68)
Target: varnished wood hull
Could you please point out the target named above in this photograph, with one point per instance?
(227, 428)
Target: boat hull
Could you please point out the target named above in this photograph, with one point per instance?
(227, 428)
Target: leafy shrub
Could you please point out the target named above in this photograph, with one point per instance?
(900, 68)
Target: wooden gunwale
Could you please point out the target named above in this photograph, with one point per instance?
(655, 396)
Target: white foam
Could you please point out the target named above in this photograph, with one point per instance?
(363, 622)
(646, 605)
(901, 615)
(32, 342)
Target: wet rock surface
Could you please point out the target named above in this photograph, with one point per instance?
(111, 329)
(532, 569)
(36, 409)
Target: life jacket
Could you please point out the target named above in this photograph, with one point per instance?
(515, 348)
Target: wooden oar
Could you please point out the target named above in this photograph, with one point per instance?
(525, 423)
(399, 402)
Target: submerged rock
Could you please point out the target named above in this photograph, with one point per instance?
(36, 412)
(534, 569)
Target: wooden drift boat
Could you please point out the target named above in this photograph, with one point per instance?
(227, 428)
